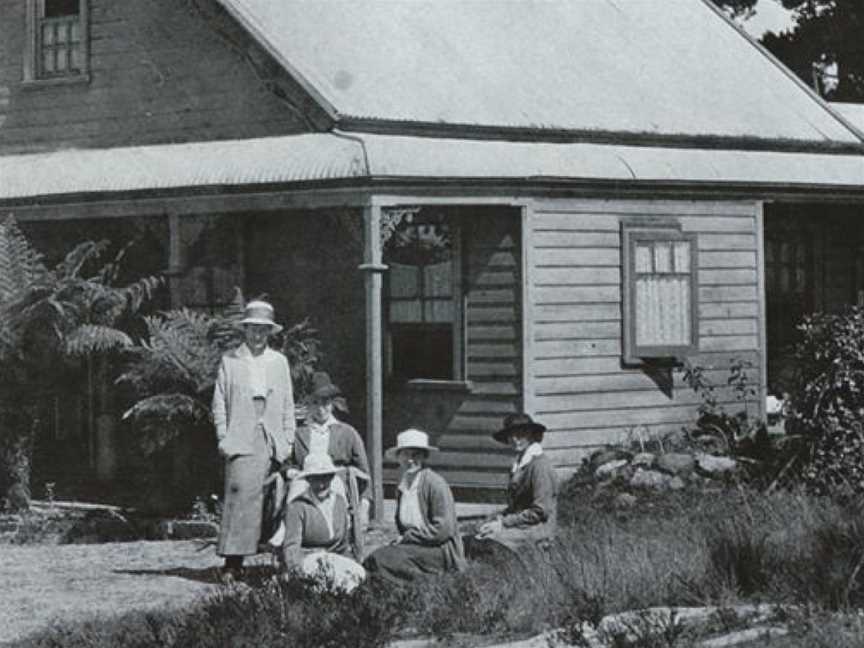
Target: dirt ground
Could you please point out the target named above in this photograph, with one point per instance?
(44, 584)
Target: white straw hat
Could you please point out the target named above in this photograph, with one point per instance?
(410, 438)
(318, 464)
(260, 312)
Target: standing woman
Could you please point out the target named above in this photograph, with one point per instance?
(531, 516)
(253, 410)
(425, 517)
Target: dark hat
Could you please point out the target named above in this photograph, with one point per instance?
(323, 387)
(519, 422)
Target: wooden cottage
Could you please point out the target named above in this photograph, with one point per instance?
(484, 207)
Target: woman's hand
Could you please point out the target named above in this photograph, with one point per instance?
(396, 541)
(490, 528)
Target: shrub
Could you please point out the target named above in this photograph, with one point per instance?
(828, 402)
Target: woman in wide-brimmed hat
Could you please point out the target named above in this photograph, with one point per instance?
(323, 433)
(253, 411)
(317, 526)
(425, 517)
(531, 516)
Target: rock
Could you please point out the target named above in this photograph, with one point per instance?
(606, 455)
(649, 480)
(676, 484)
(186, 529)
(676, 463)
(747, 636)
(643, 459)
(713, 465)
(607, 469)
(626, 500)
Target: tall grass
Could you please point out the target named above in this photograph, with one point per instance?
(677, 550)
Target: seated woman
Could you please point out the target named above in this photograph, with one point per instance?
(323, 433)
(316, 527)
(531, 517)
(425, 517)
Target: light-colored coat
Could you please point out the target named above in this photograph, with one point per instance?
(234, 410)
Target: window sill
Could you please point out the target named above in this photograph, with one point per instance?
(78, 79)
(425, 384)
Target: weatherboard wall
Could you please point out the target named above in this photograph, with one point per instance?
(576, 382)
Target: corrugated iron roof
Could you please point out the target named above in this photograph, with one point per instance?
(233, 162)
(311, 157)
(620, 66)
(422, 157)
(851, 112)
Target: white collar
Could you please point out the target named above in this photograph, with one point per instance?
(243, 351)
(403, 482)
(325, 426)
(533, 450)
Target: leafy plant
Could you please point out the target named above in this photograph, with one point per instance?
(828, 401)
(174, 369)
(48, 316)
(714, 421)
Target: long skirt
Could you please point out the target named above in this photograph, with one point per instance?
(244, 498)
(405, 562)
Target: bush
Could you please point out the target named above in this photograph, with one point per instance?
(828, 402)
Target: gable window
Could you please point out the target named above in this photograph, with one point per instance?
(423, 300)
(57, 40)
(660, 293)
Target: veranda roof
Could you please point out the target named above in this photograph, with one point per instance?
(325, 157)
(670, 68)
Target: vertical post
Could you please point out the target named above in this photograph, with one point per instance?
(175, 259)
(763, 323)
(373, 269)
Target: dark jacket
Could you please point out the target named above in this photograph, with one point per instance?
(345, 449)
(306, 528)
(532, 498)
(439, 514)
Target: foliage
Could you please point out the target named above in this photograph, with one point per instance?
(826, 33)
(714, 422)
(47, 316)
(683, 549)
(174, 368)
(828, 401)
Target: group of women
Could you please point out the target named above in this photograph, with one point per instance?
(326, 504)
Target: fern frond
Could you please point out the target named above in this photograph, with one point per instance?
(92, 338)
(20, 263)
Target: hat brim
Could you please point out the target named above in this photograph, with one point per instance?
(503, 435)
(329, 391)
(393, 453)
(274, 327)
(318, 473)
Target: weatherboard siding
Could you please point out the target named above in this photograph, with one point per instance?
(159, 73)
(577, 385)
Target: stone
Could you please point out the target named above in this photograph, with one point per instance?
(676, 463)
(649, 480)
(608, 469)
(626, 500)
(606, 455)
(186, 529)
(714, 465)
(676, 484)
(643, 459)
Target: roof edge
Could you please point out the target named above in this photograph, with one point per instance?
(376, 126)
(785, 70)
(253, 31)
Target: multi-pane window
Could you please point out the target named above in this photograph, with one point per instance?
(423, 300)
(660, 293)
(58, 39)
